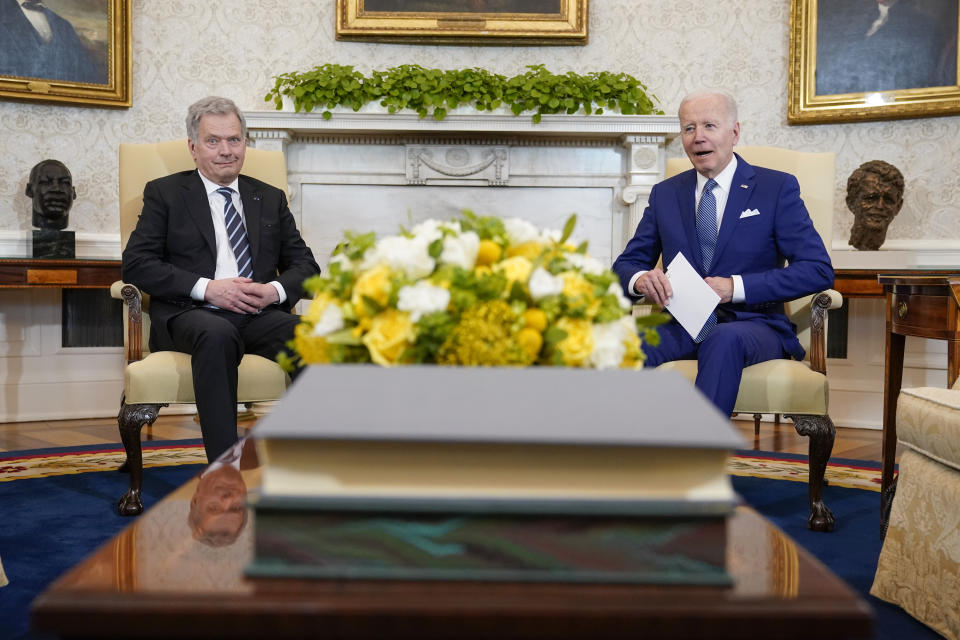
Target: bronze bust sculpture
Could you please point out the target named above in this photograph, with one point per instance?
(875, 196)
(50, 186)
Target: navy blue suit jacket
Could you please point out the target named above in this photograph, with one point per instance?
(778, 252)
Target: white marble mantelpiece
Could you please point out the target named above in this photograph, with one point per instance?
(375, 170)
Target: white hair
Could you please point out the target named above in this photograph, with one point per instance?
(709, 93)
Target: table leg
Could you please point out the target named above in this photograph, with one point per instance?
(953, 362)
(891, 390)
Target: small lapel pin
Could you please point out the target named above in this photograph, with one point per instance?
(256, 197)
(743, 186)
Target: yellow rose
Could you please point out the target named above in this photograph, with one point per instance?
(528, 250)
(391, 332)
(488, 253)
(374, 284)
(575, 285)
(634, 356)
(516, 269)
(312, 349)
(530, 341)
(535, 319)
(578, 344)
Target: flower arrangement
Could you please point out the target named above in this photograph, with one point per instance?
(475, 291)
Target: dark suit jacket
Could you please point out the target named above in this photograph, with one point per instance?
(174, 244)
(24, 54)
(755, 247)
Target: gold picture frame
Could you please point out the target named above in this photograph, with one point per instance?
(849, 63)
(91, 65)
(489, 22)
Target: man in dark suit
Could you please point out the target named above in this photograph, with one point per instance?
(37, 43)
(737, 225)
(222, 259)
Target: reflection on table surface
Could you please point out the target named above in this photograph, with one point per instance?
(178, 571)
(200, 539)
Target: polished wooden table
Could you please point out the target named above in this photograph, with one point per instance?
(863, 283)
(158, 579)
(923, 306)
(74, 273)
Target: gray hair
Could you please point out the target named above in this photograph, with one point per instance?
(705, 93)
(212, 105)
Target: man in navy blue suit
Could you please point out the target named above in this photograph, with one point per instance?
(747, 233)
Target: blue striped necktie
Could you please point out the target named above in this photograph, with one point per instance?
(707, 237)
(237, 234)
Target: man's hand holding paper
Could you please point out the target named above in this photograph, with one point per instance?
(693, 299)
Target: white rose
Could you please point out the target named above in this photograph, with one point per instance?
(422, 298)
(616, 290)
(428, 230)
(409, 255)
(543, 283)
(331, 320)
(461, 250)
(520, 231)
(549, 236)
(608, 345)
(585, 263)
(341, 259)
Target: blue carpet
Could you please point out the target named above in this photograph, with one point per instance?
(50, 524)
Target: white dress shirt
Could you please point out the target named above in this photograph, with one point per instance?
(226, 260)
(720, 192)
(39, 21)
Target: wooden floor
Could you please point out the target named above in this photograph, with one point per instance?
(856, 444)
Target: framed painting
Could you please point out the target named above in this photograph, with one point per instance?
(463, 21)
(66, 51)
(855, 60)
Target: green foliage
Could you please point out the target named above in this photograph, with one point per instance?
(435, 91)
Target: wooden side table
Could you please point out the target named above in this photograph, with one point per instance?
(76, 273)
(922, 306)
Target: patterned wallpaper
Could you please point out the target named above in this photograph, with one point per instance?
(184, 50)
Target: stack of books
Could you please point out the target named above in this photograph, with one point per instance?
(539, 474)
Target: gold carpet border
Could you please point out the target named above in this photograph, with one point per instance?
(837, 475)
(40, 466)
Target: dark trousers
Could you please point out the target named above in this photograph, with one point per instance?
(721, 357)
(216, 341)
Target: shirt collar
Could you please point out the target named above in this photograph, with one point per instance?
(212, 186)
(724, 179)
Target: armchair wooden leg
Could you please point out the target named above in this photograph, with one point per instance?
(130, 420)
(756, 423)
(821, 432)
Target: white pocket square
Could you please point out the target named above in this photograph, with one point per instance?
(747, 213)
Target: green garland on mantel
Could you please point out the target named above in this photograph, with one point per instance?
(436, 91)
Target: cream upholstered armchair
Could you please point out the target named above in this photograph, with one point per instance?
(154, 380)
(919, 564)
(797, 390)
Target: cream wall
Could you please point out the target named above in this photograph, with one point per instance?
(185, 50)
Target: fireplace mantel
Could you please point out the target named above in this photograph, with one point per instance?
(373, 169)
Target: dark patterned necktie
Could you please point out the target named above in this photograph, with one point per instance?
(707, 237)
(236, 234)
(33, 5)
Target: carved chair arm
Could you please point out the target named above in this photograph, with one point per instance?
(819, 305)
(133, 299)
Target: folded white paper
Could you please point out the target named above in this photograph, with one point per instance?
(693, 300)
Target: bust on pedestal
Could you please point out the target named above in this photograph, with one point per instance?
(51, 188)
